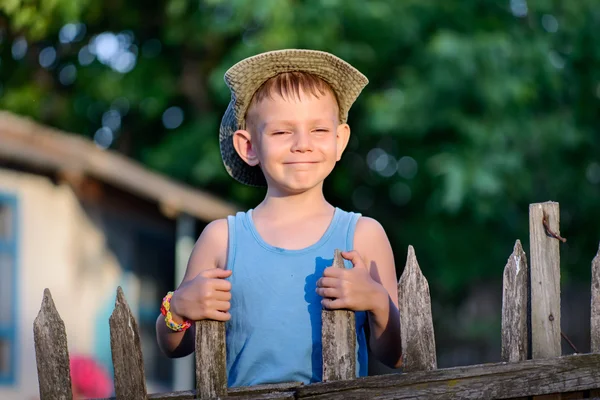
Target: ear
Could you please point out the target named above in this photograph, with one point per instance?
(342, 138)
(242, 141)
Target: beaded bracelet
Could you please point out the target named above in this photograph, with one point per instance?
(165, 309)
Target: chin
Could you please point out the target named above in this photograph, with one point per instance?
(299, 186)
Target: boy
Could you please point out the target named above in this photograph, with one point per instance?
(267, 271)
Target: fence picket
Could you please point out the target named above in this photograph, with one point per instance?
(130, 382)
(595, 312)
(338, 335)
(545, 280)
(51, 352)
(514, 307)
(595, 320)
(211, 360)
(544, 225)
(416, 325)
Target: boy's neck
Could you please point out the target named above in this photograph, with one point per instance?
(286, 206)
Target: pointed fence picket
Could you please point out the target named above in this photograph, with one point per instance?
(416, 324)
(595, 312)
(130, 382)
(514, 307)
(51, 352)
(338, 334)
(530, 323)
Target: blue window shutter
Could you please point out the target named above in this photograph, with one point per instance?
(9, 245)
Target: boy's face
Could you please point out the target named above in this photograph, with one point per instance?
(296, 141)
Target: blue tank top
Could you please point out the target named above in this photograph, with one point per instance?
(274, 334)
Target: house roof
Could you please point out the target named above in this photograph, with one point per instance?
(24, 141)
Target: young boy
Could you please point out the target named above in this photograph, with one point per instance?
(267, 271)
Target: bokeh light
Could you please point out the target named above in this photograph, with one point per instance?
(19, 48)
(103, 137)
(47, 57)
(172, 118)
(67, 74)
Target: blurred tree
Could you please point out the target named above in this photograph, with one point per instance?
(474, 110)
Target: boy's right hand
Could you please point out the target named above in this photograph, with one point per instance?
(206, 296)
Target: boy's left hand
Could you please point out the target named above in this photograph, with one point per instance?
(352, 289)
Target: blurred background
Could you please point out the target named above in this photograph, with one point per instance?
(110, 166)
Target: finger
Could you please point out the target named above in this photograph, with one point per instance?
(221, 295)
(222, 306)
(218, 315)
(354, 258)
(332, 304)
(333, 272)
(220, 285)
(214, 273)
(328, 292)
(328, 282)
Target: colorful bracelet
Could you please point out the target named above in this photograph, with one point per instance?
(165, 309)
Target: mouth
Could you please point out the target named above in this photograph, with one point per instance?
(301, 162)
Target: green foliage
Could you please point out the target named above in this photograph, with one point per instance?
(473, 111)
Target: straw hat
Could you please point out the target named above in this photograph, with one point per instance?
(246, 77)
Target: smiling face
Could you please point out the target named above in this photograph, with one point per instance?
(296, 138)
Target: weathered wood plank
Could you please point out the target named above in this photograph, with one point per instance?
(190, 395)
(338, 336)
(487, 381)
(416, 325)
(130, 382)
(595, 319)
(274, 390)
(595, 312)
(545, 280)
(266, 388)
(51, 352)
(514, 307)
(211, 359)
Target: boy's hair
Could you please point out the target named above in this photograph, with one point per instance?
(288, 85)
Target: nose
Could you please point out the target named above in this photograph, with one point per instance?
(302, 142)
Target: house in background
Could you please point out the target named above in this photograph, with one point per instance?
(82, 221)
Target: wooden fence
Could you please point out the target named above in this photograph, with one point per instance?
(530, 329)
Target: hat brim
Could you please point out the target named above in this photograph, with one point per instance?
(247, 76)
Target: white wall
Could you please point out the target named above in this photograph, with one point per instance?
(62, 250)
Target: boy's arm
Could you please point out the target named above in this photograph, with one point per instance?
(209, 259)
(372, 243)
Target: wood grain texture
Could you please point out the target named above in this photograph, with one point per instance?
(416, 325)
(595, 312)
(211, 360)
(338, 336)
(545, 281)
(130, 382)
(514, 307)
(266, 391)
(51, 352)
(488, 381)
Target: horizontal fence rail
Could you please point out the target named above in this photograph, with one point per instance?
(530, 324)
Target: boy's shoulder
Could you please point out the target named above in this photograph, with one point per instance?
(367, 230)
(213, 241)
(369, 234)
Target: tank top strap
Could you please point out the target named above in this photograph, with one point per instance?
(344, 231)
(235, 233)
